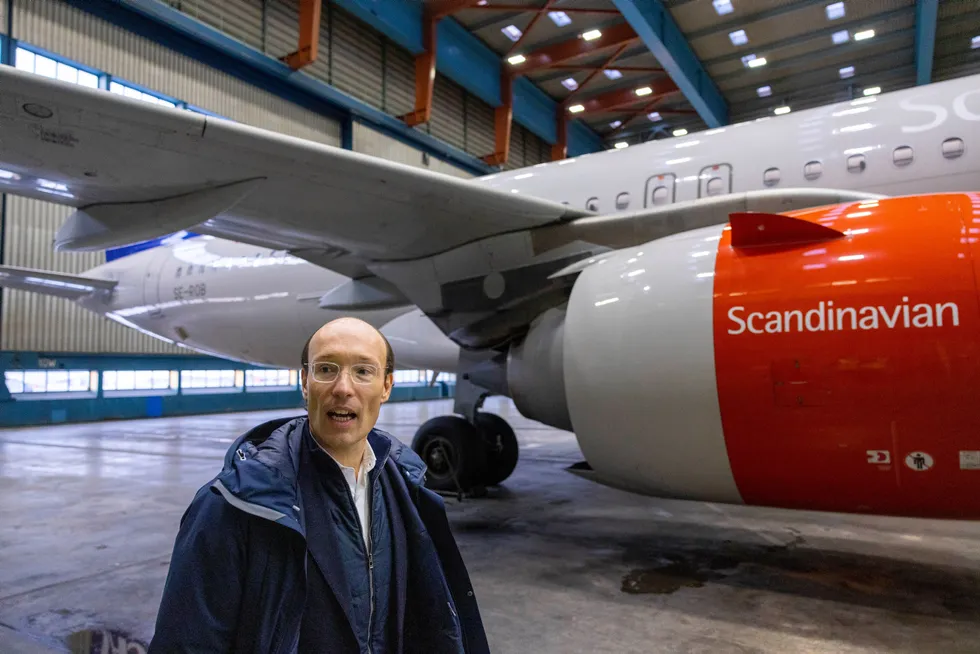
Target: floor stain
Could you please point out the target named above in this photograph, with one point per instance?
(98, 641)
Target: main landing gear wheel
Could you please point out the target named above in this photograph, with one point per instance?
(501, 447)
(453, 452)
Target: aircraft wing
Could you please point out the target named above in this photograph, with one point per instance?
(137, 171)
(73, 287)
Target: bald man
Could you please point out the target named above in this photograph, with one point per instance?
(318, 534)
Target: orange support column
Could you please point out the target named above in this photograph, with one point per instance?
(425, 74)
(502, 119)
(309, 35)
(560, 149)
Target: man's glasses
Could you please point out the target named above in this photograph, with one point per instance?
(328, 372)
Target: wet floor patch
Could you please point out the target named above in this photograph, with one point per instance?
(675, 574)
(101, 641)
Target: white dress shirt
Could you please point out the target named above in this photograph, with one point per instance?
(359, 487)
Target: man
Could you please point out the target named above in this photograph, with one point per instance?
(318, 534)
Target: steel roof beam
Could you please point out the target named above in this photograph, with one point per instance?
(657, 29)
(571, 49)
(926, 12)
(626, 97)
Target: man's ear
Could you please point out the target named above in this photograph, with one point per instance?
(302, 385)
(389, 384)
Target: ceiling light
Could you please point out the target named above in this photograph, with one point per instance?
(847, 71)
(569, 84)
(560, 18)
(621, 145)
(738, 37)
(516, 59)
(6, 174)
(616, 124)
(654, 116)
(723, 6)
(591, 35)
(779, 111)
(843, 36)
(866, 34)
(764, 91)
(835, 11)
(483, 3)
(576, 108)
(511, 32)
(680, 132)
(757, 63)
(612, 74)
(747, 58)
(975, 43)
(643, 90)
(874, 90)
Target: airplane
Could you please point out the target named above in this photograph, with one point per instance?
(741, 316)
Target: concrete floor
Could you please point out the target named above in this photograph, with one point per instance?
(88, 514)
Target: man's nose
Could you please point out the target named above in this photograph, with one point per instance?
(343, 385)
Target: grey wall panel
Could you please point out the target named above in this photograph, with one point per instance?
(80, 36)
(239, 19)
(399, 80)
(355, 57)
(369, 141)
(3, 17)
(516, 157)
(448, 117)
(282, 27)
(480, 139)
(42, 323)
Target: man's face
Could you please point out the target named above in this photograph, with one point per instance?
(345, 408)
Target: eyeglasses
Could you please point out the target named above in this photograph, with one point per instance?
(328, 372)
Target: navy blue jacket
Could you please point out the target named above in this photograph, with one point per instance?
(238, 576)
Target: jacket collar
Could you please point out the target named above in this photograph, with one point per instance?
(261, 467)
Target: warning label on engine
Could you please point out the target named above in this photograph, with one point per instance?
(969, 459)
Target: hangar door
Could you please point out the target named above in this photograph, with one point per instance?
(715, 179)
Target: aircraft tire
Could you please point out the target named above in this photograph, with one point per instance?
(501, 447)
(453, 452)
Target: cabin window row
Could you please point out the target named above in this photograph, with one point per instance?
(902, 156)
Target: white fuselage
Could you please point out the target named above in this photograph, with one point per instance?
(258, 305)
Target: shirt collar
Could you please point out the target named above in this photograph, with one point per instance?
(368, 460)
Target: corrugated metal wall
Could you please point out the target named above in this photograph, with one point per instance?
(239, 19)
(376, 144)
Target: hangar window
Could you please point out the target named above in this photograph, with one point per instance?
(592, 204)
(813, 170)
(139, 380)
(270, 378)
(661, 195)
(771, 177)
(50, 381)
(623, 201)
(902, 156)
(130, 92)
(715, 186)
(211, 379)
(32, 62)
(953, 148)
(856, 163)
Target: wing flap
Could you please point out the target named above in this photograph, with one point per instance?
(72, 287)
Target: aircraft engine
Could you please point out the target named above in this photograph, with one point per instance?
(828, 360)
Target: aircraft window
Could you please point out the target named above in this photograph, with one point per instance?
(771, 177)
(200, 269)
(592, 204)
(190, 270)
(179, 270)
(715, 186)
(856, 163)
(623, 201)
(953, 148)
(813, 170)
(902, 156)
(661, 195)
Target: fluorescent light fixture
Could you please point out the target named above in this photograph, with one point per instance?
(747, 58)
(842, 36)
(738, 37)
(723, 6)
(835, 11)
(655, 116)
(873, 90)
(680, 132)
(621, 145)
(6, 174)
(54, 186)
(616, 124)
(483, 3)
(516, 59)
(612, 73)
(576, 108)
(591, 35)
(866, 34)
(764, 91)
(569, 84)
(975, 43)
(758, 63)
(779, 111)
(511, 32)
(559, 18)
(643, 90)
(846, 71)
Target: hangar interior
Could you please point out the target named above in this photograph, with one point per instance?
(465, 88)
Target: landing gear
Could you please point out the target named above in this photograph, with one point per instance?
(461, 456)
